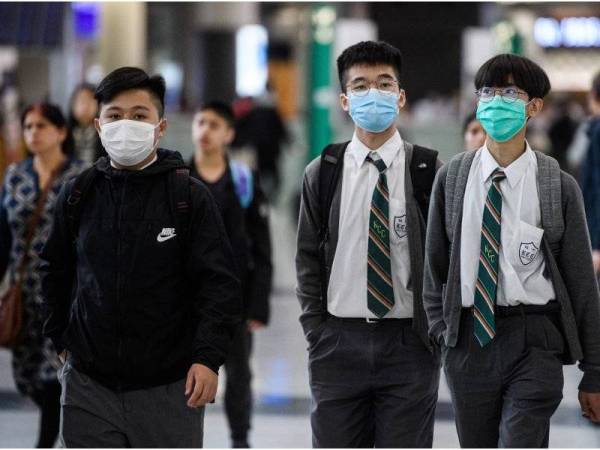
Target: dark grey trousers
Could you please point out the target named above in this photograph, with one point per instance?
(373, 385)
(505, 393)
(95, 416)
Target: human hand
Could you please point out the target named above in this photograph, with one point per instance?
(62, 356)
(201, 385)
(255, 325)
(590, 405)
(596, 260)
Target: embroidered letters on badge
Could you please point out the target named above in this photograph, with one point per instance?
(527, 252)
(400, 226)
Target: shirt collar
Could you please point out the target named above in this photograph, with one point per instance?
(514, 172)
(387, 151)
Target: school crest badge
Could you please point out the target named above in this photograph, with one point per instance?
(527, 252)
(400, 226)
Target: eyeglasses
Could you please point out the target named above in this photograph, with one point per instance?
(508, 94)
(360, 88)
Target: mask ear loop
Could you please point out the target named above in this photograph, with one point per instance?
(158, 138)
(527, 104)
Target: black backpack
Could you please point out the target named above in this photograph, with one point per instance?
(179, 199)
(422, 172)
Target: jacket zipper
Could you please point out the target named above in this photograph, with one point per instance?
(119, 334)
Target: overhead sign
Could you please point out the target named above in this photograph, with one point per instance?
(569, 32)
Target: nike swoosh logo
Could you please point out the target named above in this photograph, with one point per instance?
(160, 238)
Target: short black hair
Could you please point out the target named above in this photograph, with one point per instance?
(368, 53)
(596, 86)
(222, 109)
(525, 73)
(54, 115)
(127, 78)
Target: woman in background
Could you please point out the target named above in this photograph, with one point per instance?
(50, 145)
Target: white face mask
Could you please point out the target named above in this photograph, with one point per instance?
(128, 142)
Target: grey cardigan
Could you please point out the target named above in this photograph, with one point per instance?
(308, 288)
(566, 247)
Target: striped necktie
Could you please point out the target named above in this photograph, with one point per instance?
(380, 291)
(487, 275)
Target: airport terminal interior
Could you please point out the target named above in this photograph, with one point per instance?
(282, 55)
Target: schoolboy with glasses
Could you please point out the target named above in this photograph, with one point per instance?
(374, 373)
(509, 286)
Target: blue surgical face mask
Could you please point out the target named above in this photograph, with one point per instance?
(501, 120)
(375, 111)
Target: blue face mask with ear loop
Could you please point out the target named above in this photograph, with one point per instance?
(502, 120)
(375, 111)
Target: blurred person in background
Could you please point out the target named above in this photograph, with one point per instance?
(245, 213)
(473, 133)
(561, 132)
(83, 111)
(50, 165)
(260, 127)
(590, 172)
(12, 147)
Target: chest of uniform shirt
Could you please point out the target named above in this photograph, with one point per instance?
(521, 262)
(357, 195)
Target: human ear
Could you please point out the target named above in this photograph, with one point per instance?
(345, 102)
(534, 107)
(401, 99)
(162, 127)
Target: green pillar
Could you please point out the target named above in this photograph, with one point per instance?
(508, 38)
(319, 89)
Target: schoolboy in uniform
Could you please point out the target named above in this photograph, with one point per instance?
(373, 373)
(245, 213)
(509, 287)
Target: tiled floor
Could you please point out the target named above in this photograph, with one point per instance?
(281, 385)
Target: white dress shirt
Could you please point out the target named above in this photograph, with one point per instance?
(347, 291)
(521, 267)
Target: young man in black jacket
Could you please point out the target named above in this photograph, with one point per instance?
(245, 212)
(139, 293)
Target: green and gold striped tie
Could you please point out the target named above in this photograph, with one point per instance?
(487, 276)
(380, 291)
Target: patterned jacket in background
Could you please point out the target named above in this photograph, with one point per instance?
(34, 358)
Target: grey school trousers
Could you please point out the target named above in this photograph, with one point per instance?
(94, 416)
(373, 385)
(505, 393)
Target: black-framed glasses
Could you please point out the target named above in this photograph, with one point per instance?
(507, 94)
(361, 88)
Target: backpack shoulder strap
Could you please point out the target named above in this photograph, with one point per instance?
(456, 178)
(549, 177)
(422, 173)
(332, 158)
(180, 202)
(243, 182)
(79, 190)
